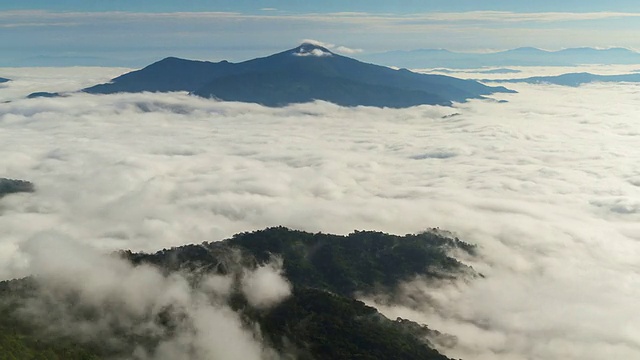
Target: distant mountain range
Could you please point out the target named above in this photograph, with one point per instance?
(306, 73)
(575, 79)
(525, 56)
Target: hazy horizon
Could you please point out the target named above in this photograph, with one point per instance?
(135, 33)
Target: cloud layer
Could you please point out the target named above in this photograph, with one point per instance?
(138, 300)
(546, 184)
(90, 38)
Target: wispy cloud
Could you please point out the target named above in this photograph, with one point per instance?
(337, 48)
(351, 17)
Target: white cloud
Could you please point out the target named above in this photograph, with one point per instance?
(347, 50)
(546, 184)
(337, 48)
(133, 298)
(69, 79)
(313, 52)
(265, 286)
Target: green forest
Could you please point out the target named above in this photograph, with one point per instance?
(320, 319)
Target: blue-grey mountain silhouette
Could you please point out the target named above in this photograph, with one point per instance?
(575, 79)
(524, 56)
(306, 73)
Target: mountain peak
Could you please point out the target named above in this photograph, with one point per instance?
(303, 74)
(311, 49)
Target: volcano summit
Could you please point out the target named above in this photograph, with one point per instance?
(306, 73)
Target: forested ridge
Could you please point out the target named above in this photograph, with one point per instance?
(321, 319)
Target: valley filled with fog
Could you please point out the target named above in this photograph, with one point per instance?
(546, 183)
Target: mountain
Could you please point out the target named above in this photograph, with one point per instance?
(525, 56)
(575, 79)
(320, 319)
(306, 73)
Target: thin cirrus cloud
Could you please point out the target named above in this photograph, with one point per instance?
(55, 18)
(546, 185)
(137, 38)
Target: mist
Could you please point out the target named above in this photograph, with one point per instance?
(546, 184)
(86, 295)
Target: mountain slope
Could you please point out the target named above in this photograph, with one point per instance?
(11, 186)
(362, 261)
(170, 74)
(305, 73)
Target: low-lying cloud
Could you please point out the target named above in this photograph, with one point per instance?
(545, 184)
(140, 300)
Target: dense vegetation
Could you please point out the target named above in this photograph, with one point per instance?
(10, 186)
(327, 326)
(362, 261)
(21, 341)
(320, 320)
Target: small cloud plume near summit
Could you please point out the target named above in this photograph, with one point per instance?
(304, 51)
(265, 286)
(332, 47)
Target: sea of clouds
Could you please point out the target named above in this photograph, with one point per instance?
(547, 184)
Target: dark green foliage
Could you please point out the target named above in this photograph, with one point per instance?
(327, 326)
(361, 261)
(42, 94)
(319, 320)
(21, 341)
(10, 186)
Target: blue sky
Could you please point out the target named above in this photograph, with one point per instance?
(136, 32)
(303, 6)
